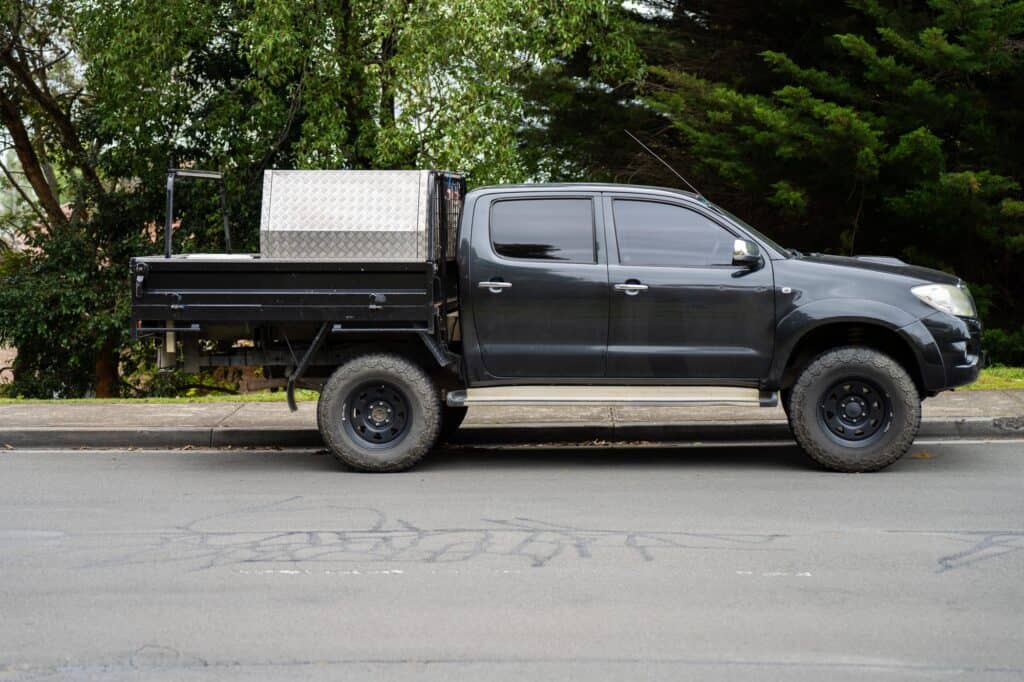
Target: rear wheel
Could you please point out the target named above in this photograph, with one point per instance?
(379, 413)
(854, 410)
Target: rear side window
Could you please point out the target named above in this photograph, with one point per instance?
(651, 233)
(544, 229)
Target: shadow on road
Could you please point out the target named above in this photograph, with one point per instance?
(456, 457)
(615, 456)
(755, 457)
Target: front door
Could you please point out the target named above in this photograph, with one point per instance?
(679, 307)
(540, 287)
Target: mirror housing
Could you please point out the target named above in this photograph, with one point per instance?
(747, 253)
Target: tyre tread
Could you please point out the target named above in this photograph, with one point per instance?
(818, 448)
(415, 445)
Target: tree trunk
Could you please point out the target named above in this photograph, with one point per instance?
(60, 119)
(30, 162)
(106, 372)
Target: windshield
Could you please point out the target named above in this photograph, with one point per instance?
(750, 228)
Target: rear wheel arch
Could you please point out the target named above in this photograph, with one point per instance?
(407, 346)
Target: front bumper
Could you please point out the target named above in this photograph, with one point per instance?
(958, 340)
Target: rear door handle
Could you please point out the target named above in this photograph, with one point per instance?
(631, 289)
(495, 287)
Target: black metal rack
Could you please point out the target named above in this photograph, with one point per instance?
(172, 175)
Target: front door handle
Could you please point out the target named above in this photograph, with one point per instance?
(631, 288)
(495, 287)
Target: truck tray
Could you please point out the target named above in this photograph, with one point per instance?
(210, 288)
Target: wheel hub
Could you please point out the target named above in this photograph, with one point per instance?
(855, 410)
(377, 414)
(380, 412)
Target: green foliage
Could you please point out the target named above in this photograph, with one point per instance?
(247, 85)
(1005, 346)
(62, 299)
(242, 86)
(870, 126)
(888, 128)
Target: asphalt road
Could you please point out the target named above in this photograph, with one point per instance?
(621, 564)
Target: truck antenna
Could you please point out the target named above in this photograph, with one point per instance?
(666, 164)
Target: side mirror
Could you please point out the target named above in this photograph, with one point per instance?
(746, 253)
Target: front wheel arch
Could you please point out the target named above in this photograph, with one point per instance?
(867, 334)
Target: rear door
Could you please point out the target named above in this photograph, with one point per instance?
(679, 308)
(540, 279)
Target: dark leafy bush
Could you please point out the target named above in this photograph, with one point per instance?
(1005, 347)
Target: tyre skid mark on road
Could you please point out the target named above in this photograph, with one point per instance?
(984, 546)
(377, 539)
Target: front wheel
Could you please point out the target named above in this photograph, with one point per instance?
(854, 409)
(379, 413)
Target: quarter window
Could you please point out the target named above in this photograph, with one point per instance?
(544, 229)
(651, 233)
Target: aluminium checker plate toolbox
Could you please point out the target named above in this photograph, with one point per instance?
(371, 216)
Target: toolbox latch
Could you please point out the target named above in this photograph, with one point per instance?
(141, 270)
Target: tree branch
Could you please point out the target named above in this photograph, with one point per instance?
(21, 192)
(60, 119)
(10, 116)
(293, 109)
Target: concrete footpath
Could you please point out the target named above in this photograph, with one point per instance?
(974, 414)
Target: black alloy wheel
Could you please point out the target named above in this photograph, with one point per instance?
(377, 414)
(855, 410)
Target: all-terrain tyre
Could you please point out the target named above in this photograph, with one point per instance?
(854, 409)
(379, 413)
(451, 420)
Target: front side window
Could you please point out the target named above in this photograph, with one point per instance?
(544, 229)
(652, 233)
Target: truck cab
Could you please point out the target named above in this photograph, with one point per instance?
(560, 294)
(612, 284)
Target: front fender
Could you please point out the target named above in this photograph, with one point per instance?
(801, 321)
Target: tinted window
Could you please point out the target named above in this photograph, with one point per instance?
(650, 233)
(547, 229)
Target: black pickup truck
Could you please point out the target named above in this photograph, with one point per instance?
(405, 307)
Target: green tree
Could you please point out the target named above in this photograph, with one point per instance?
(100, 98)
(883, 127)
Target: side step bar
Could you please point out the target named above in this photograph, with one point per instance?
(603, 395)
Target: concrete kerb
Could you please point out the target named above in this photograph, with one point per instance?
(200, 437)
(100, 437)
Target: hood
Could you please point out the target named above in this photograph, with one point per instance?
(892, 266)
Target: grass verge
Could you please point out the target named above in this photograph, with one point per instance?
(998, 378)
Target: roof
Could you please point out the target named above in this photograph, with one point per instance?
(590, 187)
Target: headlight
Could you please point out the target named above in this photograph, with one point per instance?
(949, 298)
